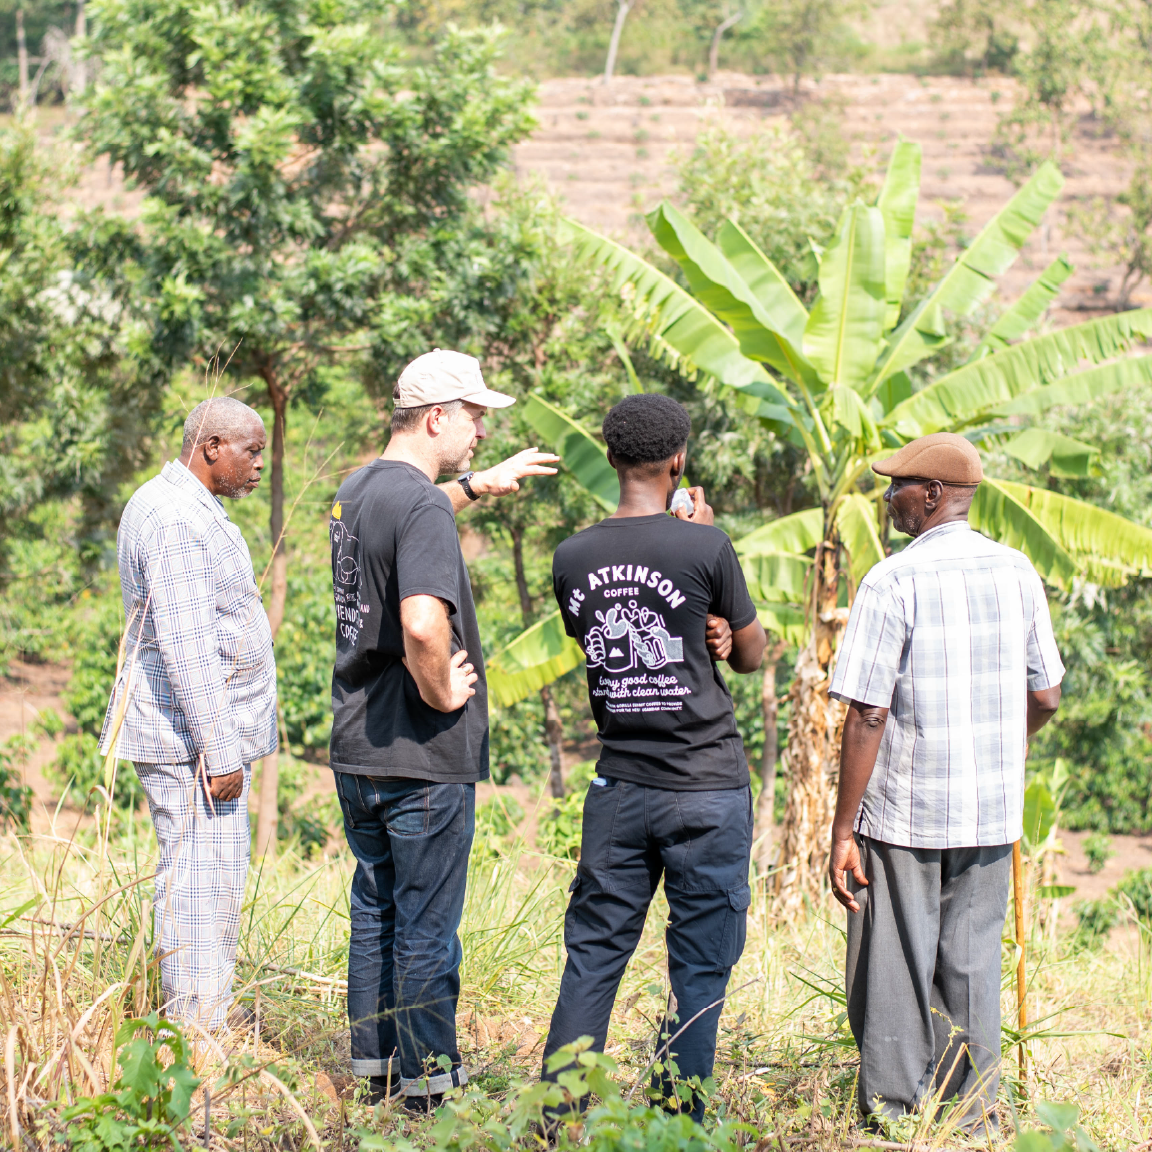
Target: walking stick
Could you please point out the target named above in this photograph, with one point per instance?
(1021, 1002)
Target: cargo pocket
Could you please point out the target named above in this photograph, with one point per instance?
(570, 914)
(735, 925)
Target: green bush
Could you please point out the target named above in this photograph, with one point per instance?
(94, 663)
(558, 832)
(1137, 887)
(305, 651)
(79, 763)
(1097, 918)
(15, 796)
(1098, 851)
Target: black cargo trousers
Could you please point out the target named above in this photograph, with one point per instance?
(700, 842)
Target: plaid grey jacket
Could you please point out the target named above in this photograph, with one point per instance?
(950, 635)
(198, 662)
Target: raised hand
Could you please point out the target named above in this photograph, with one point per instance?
(503, 478)
(701, 511)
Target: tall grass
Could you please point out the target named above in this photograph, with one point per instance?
(76, 961)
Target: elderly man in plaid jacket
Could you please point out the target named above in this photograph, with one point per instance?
(948, 665)
(195, 702)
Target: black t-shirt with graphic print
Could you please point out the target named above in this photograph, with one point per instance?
(394, 535)
(636, 592)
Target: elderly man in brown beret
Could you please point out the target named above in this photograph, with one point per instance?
(948, 666)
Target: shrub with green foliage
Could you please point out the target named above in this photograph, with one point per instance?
(305, 651)
(150, 1100)
(1098, 851)
(15, 795)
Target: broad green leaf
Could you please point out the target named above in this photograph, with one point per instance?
(581, 453)
(991, 383)
(795, 533)
(719, 287)
(678, 323)
(897, 204)
(845, 408)
(1108, 548)
(1037, 446)
(765, 279)
(1039, 813)
(1081, 387)
(785, 620)
(1055, 891)
(536, 657)
(970, 281)
(843, 335)
(1032, 304)
(856, 523)
(1000, 515)
(1059, 1117)
(776, 576)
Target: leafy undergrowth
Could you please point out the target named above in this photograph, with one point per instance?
(78, 985)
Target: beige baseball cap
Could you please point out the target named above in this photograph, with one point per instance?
(442, 375)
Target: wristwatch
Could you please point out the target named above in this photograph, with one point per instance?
(463, 482)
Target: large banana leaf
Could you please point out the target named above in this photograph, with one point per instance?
(579, 451)
(1108, 548)
(999, 514)
(674, 318)
(718, 286)
(844, 331)
(776, 576)
(795, 533)
(766, 281)
(1037, 447)
(536, 657)
(844, 407)
(786, 620)
(972, 278)
(985, 384)
(1081, 387)
(897, 204)
(856, 521)
(1022, 315)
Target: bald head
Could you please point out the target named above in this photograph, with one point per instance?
(222, 417)
(224, 446)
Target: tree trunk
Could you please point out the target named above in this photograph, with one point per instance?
(622, 10)
(267, 815)
(765, 816)
(21, 57)
(80, 66)
(553, 729)
(717, 36)
(812, 757)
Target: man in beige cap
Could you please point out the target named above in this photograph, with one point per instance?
(410, 720)
(948, 666)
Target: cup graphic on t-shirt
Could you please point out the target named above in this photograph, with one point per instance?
(629, 637)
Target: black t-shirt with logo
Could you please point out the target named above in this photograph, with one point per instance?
(394, 535)
(635, 592)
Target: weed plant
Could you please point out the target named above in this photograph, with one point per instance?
(78, 982)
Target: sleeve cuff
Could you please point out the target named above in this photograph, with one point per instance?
(448, 597)
(736, 625)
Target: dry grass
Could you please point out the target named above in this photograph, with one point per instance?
(75, 961)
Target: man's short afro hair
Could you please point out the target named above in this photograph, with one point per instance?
(646, 429)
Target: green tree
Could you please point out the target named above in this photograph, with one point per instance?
(291, 158)
(836, 379)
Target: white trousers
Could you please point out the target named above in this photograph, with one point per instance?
(200, 878)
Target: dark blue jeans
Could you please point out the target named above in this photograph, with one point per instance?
(411, 840)
(700, 843)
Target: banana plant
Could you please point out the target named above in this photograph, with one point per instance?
(836, 381)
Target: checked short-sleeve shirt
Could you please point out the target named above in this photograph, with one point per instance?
(198, 662)
(950, 635)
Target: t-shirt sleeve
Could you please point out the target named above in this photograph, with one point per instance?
(558, 592)
(730, 599)
(1045, 668)
(428, 555)
(869, 658)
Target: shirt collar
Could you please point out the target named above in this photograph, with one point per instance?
(181, 476)
(940, 530)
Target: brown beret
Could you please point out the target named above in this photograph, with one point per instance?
(943, 456)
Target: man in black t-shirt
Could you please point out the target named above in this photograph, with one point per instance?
(410, 720)
(655, 601)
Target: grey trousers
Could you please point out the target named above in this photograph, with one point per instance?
(923, 976)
